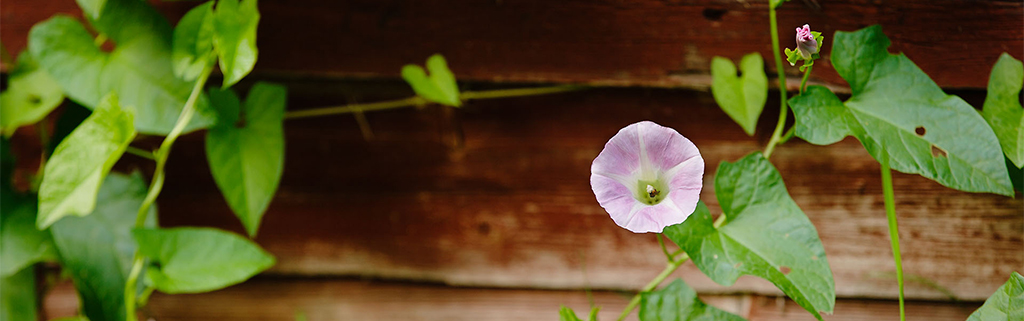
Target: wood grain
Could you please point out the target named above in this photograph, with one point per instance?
(329, 299)
(608, 42)
(512, 207)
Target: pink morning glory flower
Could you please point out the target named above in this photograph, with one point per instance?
(805, 42)
(648, 177)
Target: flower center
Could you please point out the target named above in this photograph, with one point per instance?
(651, 192)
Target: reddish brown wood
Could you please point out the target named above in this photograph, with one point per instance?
(513, 206)
(609, 42)
(326, 299)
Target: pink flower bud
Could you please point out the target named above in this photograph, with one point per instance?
(805, 42)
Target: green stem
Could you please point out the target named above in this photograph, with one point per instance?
(419, 101)
(161, 154)
(140, 153)
(789, 134)
(783, 107)
(100, 40)
(894, 236)
(663, 248)
(671, 267)
(803, 82)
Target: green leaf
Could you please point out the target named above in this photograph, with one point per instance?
(23, 244)
(245, 150)
(679, 302)
(439, 87)
(1003, 110)
(793, 56)
(776, 3)
(31, 95)
(192, 260)
(138, 69)
(18, 296)
(1007, 303)
(192, 49)
(566, 314)
(72, 176)
(896, 110)
(92, 8)
(235, 38)
(97, 250)
(765, 234)
(741, 97)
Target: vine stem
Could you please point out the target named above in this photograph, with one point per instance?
(419, 101)
(803, 82)
(671, 267)
(894, 235)
(161, 154)
(783, 107)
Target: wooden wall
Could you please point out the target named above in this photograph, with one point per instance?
(486, 212)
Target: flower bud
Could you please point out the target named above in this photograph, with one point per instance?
(805, 42)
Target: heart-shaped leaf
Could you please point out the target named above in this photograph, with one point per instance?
(72, 176)
(1003, 110)
(138, 69)
(741, 97)
(679, 302)
(192, 260)
(439, 87)
(1006, 304)
(192, 49)
(245, 150)
(235, 38)
(765, 234)
(31, 95)
(896, 110)
(97, 250)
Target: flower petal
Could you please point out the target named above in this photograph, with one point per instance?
(656, 218)
(665, 147)
(685, 182)
(614, 197)
(620, 157)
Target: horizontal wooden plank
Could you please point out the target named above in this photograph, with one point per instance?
(646, 43)
(326, 299)
(511, 205)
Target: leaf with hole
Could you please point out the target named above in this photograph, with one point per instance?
(192, 46)
(741, 97)
(765, 234)
(679, 302)
(193, 260)
(138, 69)
(31, 95)
(245, 150)
(72, 176)
(897, 110)
(1006, 304)
(235, 24)
(439, 87)
(1003, 110)
(97, 250)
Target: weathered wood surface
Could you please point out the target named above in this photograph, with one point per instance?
(512, 207)
(325, 299)
(609, 42)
